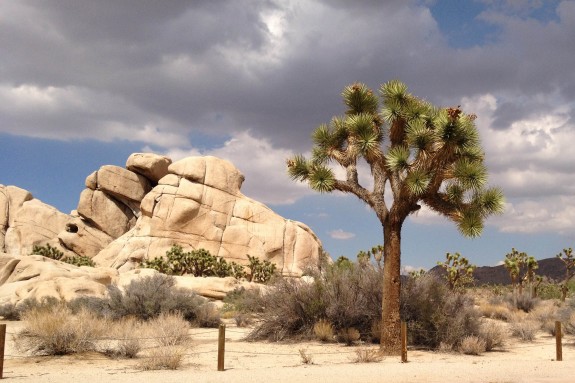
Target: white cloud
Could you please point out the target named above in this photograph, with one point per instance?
(263, 166)
(341, 234)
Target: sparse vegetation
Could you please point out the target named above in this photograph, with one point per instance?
(323, 331)
(458, 271)
(367, 355)
(201, 263)
(54, 330)
(435, 315)
(52, 252)
(472, 345)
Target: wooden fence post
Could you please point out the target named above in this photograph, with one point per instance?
(221, 346)
(403, 342)
(2, 344)
(558, 345)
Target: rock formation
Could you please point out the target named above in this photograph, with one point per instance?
(126, 215)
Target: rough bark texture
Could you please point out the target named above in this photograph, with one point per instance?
(391, 321)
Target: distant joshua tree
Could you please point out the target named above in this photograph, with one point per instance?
(418, 153)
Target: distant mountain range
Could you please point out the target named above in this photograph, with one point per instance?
(552, 268)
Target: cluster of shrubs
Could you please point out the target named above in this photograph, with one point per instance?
(201, 263)
(52, 252)
(150, 309)
(343, 303)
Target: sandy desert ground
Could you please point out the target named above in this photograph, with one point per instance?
(272, 362)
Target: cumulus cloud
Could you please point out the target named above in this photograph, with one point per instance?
(263, 166)
(257, 77)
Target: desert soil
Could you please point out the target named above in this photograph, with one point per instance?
(267, 362)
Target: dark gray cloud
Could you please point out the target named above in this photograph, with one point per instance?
(161, 72)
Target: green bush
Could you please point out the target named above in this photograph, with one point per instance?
(346, 297)
(436, 316)
(80, 261)
(199, 263)
(52, 252)
(47, 251)
(144, 298)
(260, 271)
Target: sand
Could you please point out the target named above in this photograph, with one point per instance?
(257, 362)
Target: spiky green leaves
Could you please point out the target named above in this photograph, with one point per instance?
(359, 99)
(397, 158)
(394, 91)
(459, 134)
(417, 182)
(298, 168)
(322, 179)
(470, 175)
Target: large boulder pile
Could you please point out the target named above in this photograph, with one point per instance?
(127, 215)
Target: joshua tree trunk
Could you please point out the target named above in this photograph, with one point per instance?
(391, 321)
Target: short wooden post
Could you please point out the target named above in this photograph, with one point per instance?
(221, 346)
(2, 344)
(558, 345)
(403, 342)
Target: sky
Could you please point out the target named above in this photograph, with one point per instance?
(86, 83)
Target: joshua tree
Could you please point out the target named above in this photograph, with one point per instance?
(569, 261)
(458, 271)
(517, 262)
(418, 153)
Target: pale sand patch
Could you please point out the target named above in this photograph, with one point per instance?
(257, 362)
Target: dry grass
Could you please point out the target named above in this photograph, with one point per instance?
(348, 336)
(472, 345)
(367, 355)
(169, 330)
(526, 330)
(127, 332)
(493, 334)
(54, 330)
(323, 331)
(305, 357)
(163, 358)
(495, 311)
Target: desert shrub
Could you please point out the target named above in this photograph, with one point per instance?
(367, 355)
(52, 252)
(199, 263)
(163, 358)
(243, 300)
(243, 320)
(305, 357)
(47, 251)
(126, 333)
(348, 335)
(80, 261)
(54, 330)
(472, 345)
(522, 302)
(344, 296)
(11, 311)
(493, 334)
(323, 331)
(495, 311)
(260, 271)
(169, 329)
(150, 296)
(208, 316)
(434, 315)
(526, 330)
(549, 290)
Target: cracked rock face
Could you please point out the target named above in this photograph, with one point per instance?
(198, 204)
(126, 215)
